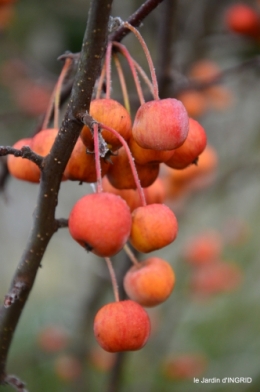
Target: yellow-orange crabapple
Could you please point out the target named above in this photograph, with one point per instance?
(154, 226)
(149, 282)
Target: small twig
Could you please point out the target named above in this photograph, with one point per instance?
(61, 223)
(136, 19)
(101, 82)
(24, 152)
(65, 70)
(131, 255)
(16, 383)
(108, 69)
(148, 58)
(144, 76)
(122, 82)
(165, 40)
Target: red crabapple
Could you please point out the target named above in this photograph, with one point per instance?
(161, 124)
(101, 223)
(122, 326)
(193, 146)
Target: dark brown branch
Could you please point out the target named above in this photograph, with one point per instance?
(135, 19)
(4, 173)
(61, 223)
(166, 37)
(93, 48)
(14, 294)
(24, 152)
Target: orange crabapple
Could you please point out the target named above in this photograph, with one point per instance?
(22, 168)
(114, 115)
(153, 227)
(149, 282)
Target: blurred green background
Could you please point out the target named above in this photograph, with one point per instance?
(218, 333)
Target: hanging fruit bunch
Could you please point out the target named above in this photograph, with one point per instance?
(123, 158)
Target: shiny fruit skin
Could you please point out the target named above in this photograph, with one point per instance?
(161, 124)
(114, 115)
(101, 223)
(193, 146)
(150, 282)
(122, 326)
(154, 226)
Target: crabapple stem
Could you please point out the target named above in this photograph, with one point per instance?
(131, 161)
(148, 57)
(129, 59)
(64, 71)
(55, 97)
(122, 83)
(101, 81)
(48, 112)
(108, 69)
(144, 76)
(130, 254)
(113, 278)
(97, 157)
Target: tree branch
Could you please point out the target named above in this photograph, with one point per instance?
(24, 152)
(166, 37)
(135, 19)
(93, 48)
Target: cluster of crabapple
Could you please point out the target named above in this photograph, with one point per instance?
(123, 157)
